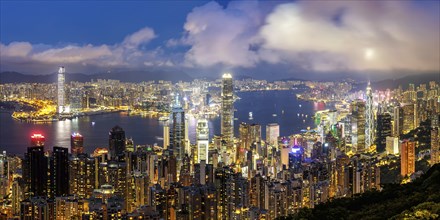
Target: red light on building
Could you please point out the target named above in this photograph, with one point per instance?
(37, 140)
(76, 144)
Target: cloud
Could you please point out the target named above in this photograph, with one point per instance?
(129, 54)
(315, 35)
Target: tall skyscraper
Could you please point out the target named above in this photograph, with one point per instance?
(397, 121)
(76, 144)
(202, 140)
(272, 134)
(177, 130)
(116, 142)
(407, 157)
(369, 118)
(383, 131)
(60, 90)
(60, 171)
(35, 170)
(166, 135)
(358, 125)
(227, 112)
(409, 117)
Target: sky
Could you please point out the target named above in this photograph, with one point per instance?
(255, 38)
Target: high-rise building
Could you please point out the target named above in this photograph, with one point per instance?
(76, 99)
(60, 171)
(392, 146)
(60, 90)
(177, 130)
(76, 144)
(369, 118)
(36, 168)
(272, 134)
(435, 146)
(383, 131)
(409, 117)
(116, 142)
(202, 140)
(407, 157)
(227, 111)
(397, 121)
(166, 135)
(358, 125)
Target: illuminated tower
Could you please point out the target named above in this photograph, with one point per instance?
(407, 157)
(60, 171)
(202, 140)
(369, 118)
(177, 130)
(435, 146)
(76, 144)
(272, 134)
(227, 112)
(166, 135)
(358, 125)
(383, 130)
(35, 167)
(60, 87)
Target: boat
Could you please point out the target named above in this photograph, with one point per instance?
(93, 123)
(282, 112)
(300, 105)
(163, 118)
(159, 138)
(274, 115)
(251, 116)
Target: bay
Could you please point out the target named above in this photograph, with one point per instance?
(280, 107)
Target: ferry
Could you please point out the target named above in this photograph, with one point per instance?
(163, 118)
(251, 116)
(274, 115)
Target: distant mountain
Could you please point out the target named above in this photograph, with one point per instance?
(417, 200)
(404, 81)
(129, 76)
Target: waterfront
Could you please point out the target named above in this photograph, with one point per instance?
(15, 135)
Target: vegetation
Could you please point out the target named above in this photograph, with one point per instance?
(417, 200)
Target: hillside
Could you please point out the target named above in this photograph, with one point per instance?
(417, 200)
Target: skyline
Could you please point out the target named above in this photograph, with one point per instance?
(392, 37)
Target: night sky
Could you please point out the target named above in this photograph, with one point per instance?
(205, 37)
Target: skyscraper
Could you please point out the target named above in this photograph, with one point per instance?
(37, 140)
(383, 130)
(202, 140)
(369, 118)
(397, 121)
(358, 125)
(177, 130)
(272, 134)
(60, 171)
(409, 117)
(60, 89)
(227, 112)
(407, 157)
(35, 170)
(116, 142)
(166, 135)
(76, 144)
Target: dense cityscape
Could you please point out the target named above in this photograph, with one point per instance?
(220, 109)
(365, 135)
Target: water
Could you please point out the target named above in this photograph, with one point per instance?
(15, 135)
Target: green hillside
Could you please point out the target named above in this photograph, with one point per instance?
(417, 200)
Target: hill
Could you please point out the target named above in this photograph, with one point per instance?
(419, 199)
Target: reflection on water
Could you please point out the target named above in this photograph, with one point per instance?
(15, 135)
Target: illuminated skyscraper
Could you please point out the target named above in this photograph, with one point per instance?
(116, 142)
(369, 118)
(35, 167)
(409, 117)
(202, 140)
(407, 157)
(227, 112)
(272, 134)
(166, 135)
(358, 125)
(37, 140)
(177, 130)
(397, 121)
(76, 144)
(60, 91)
